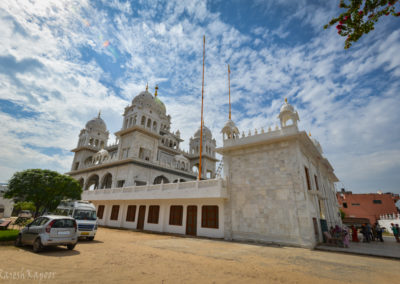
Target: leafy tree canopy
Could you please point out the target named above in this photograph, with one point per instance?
(360, 17)
(25, 205)
(44, 188)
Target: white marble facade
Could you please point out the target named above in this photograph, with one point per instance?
(6, 205)
(146, 151)
(277, 185)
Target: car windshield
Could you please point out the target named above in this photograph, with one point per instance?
(85, 215)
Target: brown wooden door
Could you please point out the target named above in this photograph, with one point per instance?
(191, 220)
(142, 213)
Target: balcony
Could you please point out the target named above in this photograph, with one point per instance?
(213, 188)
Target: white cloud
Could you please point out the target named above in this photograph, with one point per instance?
(161, 43)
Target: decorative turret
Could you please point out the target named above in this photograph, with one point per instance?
(288, 113)
(92, 138)
(230, 131)
(208, 152)
(94, 134)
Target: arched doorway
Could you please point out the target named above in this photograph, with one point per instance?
(160, 179)
(93, 183)
(107, 181)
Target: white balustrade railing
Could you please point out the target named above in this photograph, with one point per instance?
(160, 187)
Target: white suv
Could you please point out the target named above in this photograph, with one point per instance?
(49, 231)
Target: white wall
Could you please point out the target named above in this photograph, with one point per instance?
(8, 206)
(387, 224)
(163, 221)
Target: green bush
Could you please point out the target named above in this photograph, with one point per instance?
(8, 235)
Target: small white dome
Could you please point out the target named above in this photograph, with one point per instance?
(96, 124)
(206, 132)
(230, 130)
(286, 107)
(288, 113)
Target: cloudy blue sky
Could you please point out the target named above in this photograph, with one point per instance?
(63, 61)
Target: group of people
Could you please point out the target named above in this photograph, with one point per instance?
(338, 236)
(341, 235)
(369, 233)
(396, 231)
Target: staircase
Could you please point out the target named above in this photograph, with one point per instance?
(219, 169)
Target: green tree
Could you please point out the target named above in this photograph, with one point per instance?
(25, 205)
(360, 17)
(44, 188)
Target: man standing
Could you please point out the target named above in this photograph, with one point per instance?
(378, 230)
(395, 230)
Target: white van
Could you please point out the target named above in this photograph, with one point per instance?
(84, 212)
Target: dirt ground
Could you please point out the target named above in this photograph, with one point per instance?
(122, 256)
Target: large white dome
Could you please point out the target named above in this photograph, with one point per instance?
(146, 100)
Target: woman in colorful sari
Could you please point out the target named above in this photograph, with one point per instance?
(354, 234)
(346, 237)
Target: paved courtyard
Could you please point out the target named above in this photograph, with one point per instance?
(122, 256)
(389, 248)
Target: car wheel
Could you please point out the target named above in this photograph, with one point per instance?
(71, 247)
(37, 245)
(18, 241)
(90, 238)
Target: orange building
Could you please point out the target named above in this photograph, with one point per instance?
(369, 205)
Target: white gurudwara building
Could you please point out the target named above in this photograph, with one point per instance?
(277, 187)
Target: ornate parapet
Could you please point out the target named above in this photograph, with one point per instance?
(213, 188)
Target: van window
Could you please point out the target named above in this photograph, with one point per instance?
(61, 212)
(85, 215)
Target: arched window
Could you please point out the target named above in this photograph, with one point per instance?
(154, 126)
(88, 161)
(160, 179)
(107, 181)
(93, 183)
(91, 142)
(130, 122)
(149, 123)
(143, 122)
(96, 143)
(102, 144)
(134, 119)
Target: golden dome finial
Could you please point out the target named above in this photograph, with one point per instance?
(309, 134)
(155, 94)
(285, 100)
(147, 86)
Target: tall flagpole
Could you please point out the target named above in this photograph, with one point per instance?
(202, 98)
(229, 82)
